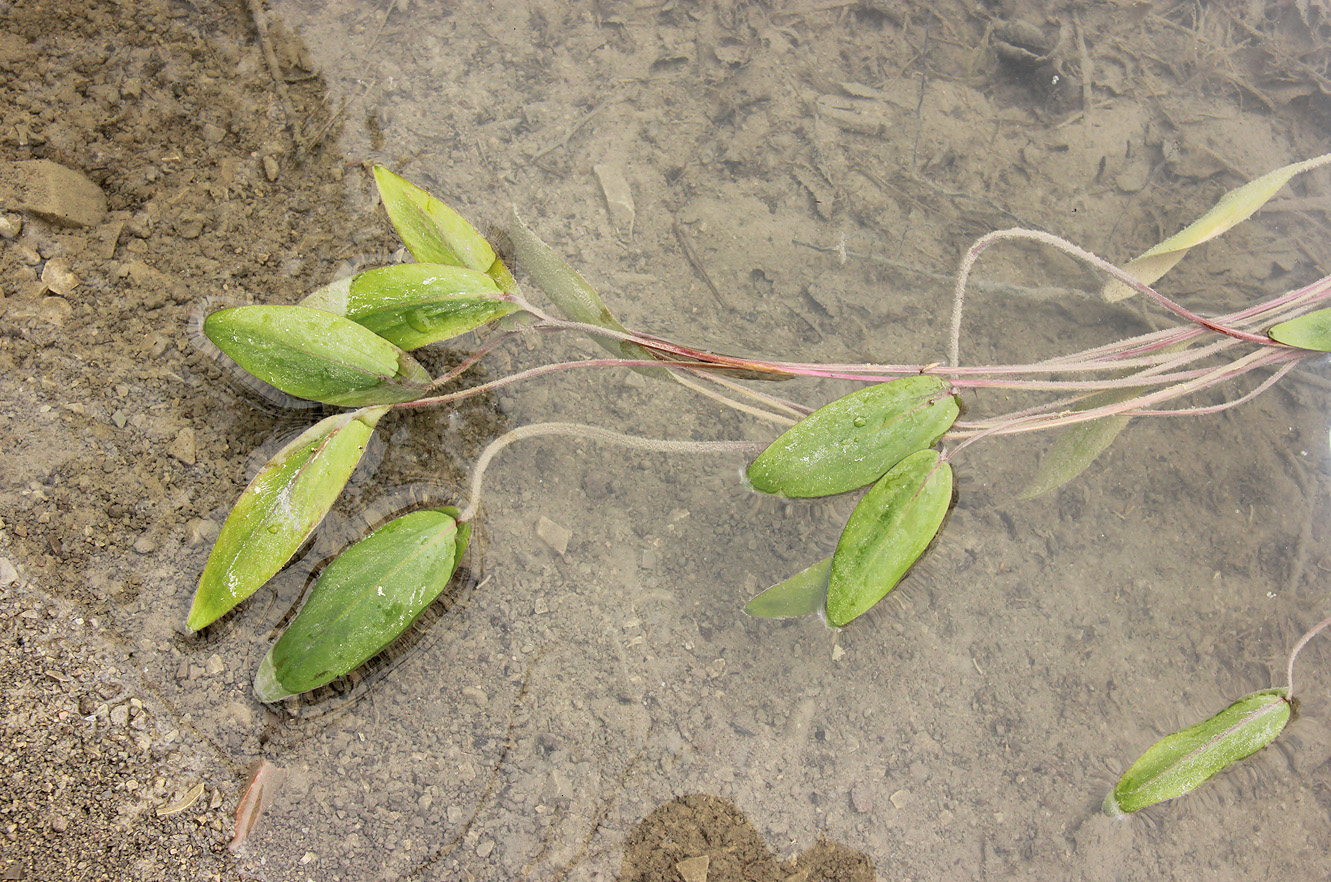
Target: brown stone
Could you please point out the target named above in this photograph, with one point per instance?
(51, 191)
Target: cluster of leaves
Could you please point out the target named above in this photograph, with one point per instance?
(881, 435)
(349, 344)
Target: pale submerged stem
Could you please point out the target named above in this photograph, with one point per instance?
(1298, 647)
(595, 433)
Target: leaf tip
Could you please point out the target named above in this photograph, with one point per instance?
(267, 688)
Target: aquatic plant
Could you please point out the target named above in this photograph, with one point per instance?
(1181, 762)
(350, 343)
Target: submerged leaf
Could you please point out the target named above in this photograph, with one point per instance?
(571, 293)
(854, 440)
(435, 233)
(1233, 208)
(1079, 445)
(1311, 331)
(279, 510)
(267, 780)
(801, 594)
(317, 355)
(1182, 762)
(413, 304)
(890, 528)
(363, 600)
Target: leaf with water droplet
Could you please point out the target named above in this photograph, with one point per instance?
(801, 594)
(414, 304)
(280, 509)
(1311, 331)
(363, 600)
(853, 441)
(1183, 761)
(316, 355)
(886, 533)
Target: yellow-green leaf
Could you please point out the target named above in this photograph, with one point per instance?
(1233, 208)
(1311, 331)
(571, 293)
(414, 304)
(317, 355)
(801, 594)
(1183, 761)
(432, 232)
(363, 600)
(1079, 444)
(279, 510)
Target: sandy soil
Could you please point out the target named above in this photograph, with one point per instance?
(804, 178)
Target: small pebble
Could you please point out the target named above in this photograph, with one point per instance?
(145, 545)
(694, 869)
(554, 535)
(485, 847)
(270, 168)
(200, 530)
(182, 448)
(861, 797)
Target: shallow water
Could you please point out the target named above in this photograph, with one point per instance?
(827, 165)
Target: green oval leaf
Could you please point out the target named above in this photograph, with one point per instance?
(801, 594)
(433, 232)
(1183, 761)
(314, 354)
(414, 304)
(890, 528)
(279, 510)
(1311, 331)
(853, 441)
(363, 600)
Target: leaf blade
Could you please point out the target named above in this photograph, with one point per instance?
(278, 510)
(316, 355)
(1311, 331)
(853, 441)
(363, 600)
(886, 533)
(1183, 761)
(1079, 445)
(801, 594)
(414, 304)
(1232, 209)
(572, 294)
(432, 232)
